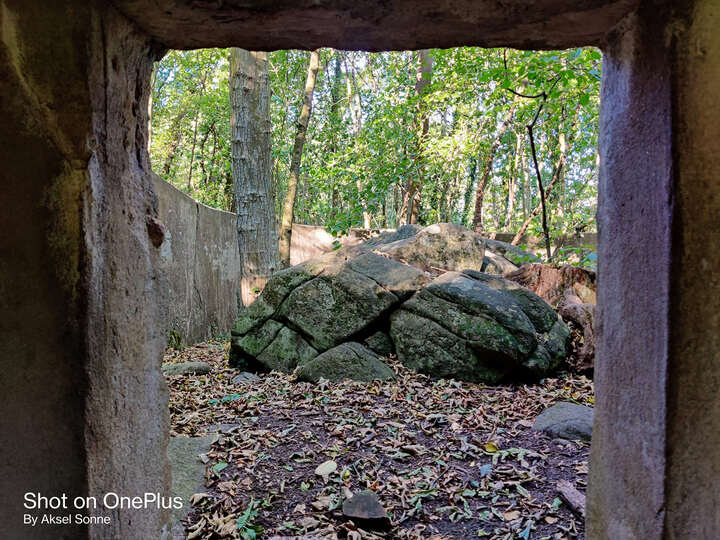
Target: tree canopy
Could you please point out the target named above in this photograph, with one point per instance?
(365, 147)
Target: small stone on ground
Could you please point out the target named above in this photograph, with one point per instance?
(566, 421)
(365, 508)
(246, 377)
(185, 368)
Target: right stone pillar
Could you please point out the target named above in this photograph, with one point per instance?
(655, 459)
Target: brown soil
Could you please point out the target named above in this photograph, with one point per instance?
(447, 459)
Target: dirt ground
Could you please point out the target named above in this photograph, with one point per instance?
(447, 459)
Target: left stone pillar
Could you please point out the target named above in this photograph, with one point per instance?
(84, 406)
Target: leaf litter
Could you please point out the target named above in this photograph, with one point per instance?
(447, 459)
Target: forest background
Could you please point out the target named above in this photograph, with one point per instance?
(396, 137)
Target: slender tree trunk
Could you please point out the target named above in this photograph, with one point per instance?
(176, 138)
(355, 107)
(472, 179)
(557, 175)
(289, 203)
(334, 121)
(192, 151)
(151, 103)
(487, 169)
(423, 77)
(252, 169)
(195, 131)
(512, 185)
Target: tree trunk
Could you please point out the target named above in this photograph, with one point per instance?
(423, 77)
(176, 134)
(334, 121)
(487, 169)
(512, 185)
(289, 203)
(252, 169)
(472, 179)
(151, 103)
(195, 130)
(559, 166)
(355, 108)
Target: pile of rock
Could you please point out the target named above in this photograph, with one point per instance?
(420, 293)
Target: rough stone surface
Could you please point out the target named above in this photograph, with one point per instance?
(74, 80)
(380, 343)
(246, 378)
(655, 449)
(188, 475)
(331, 308)
(443, 246)
(346, 361)
(286, 351)
(401, 233)
(376, 25)
(200, 258)
(365, 507)
(550, 282)
(496, 264)
(486, 328)
(462, 327)
(538, 311)
(185, 368)
(512, 254)
(566, 421)
(77, 261)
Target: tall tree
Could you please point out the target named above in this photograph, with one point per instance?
(423, 77)
(334, 122)
(288, 210)
(557, 175)
(355, 109)
(252, 169)
(487, 168)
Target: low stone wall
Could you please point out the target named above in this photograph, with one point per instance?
(536, 243)
(202, 265)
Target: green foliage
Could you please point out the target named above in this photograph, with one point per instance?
(247, 529)
(363, 146)
(190, 144)
(175, 340)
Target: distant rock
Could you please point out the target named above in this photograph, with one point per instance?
(346, 361)
(365, 509)
(185, 368)
(402, 232)
(497, 264)
(566, 421)
(511, 253)
(443, 246)
(551, 282)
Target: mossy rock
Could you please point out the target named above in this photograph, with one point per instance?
(349, 360)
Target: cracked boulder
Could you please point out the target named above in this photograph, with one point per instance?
(478, 327)
(311, 308)
(334, 317)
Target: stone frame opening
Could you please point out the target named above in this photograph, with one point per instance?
(81, 296)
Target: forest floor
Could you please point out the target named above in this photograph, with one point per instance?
(447, 459)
